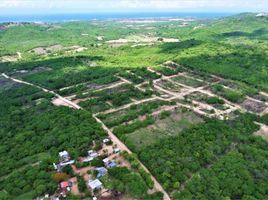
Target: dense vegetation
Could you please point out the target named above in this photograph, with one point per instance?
(134, 182)
(218, 159)
(132, 113)
(213, 160)
(27, 141)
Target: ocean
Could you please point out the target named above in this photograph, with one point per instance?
(104, 16)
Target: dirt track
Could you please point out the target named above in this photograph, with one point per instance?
(121, 145)
(59, 100)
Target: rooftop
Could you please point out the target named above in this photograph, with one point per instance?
(63, 153)
(94, 184)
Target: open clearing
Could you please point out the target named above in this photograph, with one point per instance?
(141, 39)
(179, 120)
(263, 132)
(57, 47)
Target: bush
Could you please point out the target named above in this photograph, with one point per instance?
(97, 162)
(68, 170)
(154, 196)
(82, 164)
(81, 184)
(147, 178)
(233, 96)
(164, 114)
(214, 100)
(123, 129)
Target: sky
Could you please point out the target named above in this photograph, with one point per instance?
(13, 7)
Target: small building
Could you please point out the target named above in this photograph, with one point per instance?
(66, 185)
(102, 171)
(64, 156)
(106, 140)
(92, 154)
(116, 150)
(109, 163)
(96, 184)
(105, 160)
(112, 164)
(67, 163)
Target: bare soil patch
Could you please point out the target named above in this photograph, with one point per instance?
(40, 69)
(263, 132)
(57, 47)
(45, 50)
(170, 126)
(254, 106)
(141, 39)
(11, 58)
(59, 102)
(188, 81)
(169, 86)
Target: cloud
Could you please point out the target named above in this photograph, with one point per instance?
(125, 5)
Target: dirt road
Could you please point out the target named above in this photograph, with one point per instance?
(66, 101)
(123, 147)
(115, 140)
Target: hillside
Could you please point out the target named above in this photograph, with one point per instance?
(153, 109)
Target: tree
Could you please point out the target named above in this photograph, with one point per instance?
(60, 176)
(4, 195)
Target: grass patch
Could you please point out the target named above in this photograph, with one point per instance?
(25, 196)
(188, 81)
(169, 126)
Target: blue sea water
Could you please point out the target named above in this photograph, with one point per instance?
(103, 16)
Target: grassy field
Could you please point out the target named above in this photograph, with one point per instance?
(26, 196)
(188, 81)
(163, 128)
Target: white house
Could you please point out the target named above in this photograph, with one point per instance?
(106, 140)
(64, 156)
(96, 184)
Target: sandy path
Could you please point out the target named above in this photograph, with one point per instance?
(264, 93)
(74, 189)
(129, 82)
(189, 90)
(115, 140)
(263, 131)
(123, 147)
(180, 95)
(61, 99)
(19, 55)
(256, 100)
(129, 105)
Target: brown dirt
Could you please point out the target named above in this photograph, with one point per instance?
(74, 190)
(59, 102)
(12, 58)
(45, 50)
(254, 106)
(263, 131)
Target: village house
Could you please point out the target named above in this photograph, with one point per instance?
(91, 156)
(64, 156)
(65, 187)
(116, 150)
(95, 185)
(109, 163)
(64, 159)
(102, 171)
(106, 140)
